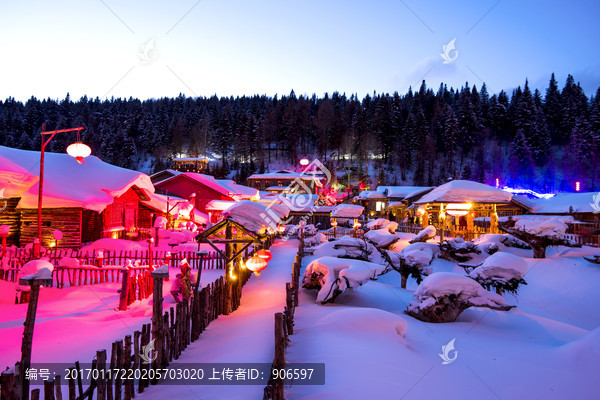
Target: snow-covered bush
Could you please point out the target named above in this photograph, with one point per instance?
(310, 230)
(160, 222)
(349, 247)
(458, 249)
(539, 233)
(381, 237)
(491, 243)
(503, 271)
(377, 223)
(443, 296)
(316, 239)
(414, 260)
(426, 234)
(333, 276)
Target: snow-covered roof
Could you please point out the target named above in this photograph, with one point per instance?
(256, 217)
(400, 192)
(92, 185)
(286, 175)
(225, 187)
(237, 191)
(347, 211)
(218, 205)
(182, 207)
(170, 172)
(370, 194)
(459, 191)
(191, 159)
(562, 203)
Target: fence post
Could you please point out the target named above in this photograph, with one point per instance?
(26, 344)
(157, 316)
(279, 361)
(124, 289)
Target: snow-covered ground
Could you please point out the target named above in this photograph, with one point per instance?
(72, 323)
(546, 348)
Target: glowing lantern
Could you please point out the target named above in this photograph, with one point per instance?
(420, 211)
(265, 254)
(357, 225)
(497, 182)
(256, 264)
(458, 209)
(281, 229)
(79, 150)
(334, 223)
(304, 162)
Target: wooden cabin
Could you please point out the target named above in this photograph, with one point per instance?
(84, 201)
(190, 164)
(283, 181)
(202, 189)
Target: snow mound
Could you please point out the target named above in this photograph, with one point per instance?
(420, 255)
(347, 211)
(365, 319)
(381, 237)
(444, 284)
(551, 228)
(491, 242)
(35, 269)
(69, 262)
(315, 240)
(425, 234)
(109, 244)
(502, 267)
(377, 223)
(163, 269)
(333, 276)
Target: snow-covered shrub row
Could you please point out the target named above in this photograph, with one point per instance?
(503, 271)
(427, 233)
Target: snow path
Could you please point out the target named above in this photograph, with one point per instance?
(73, 323)
(245, 336)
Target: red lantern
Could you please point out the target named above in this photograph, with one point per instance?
(334, 223)
(264, 254)
(256, 264)
(281, 229)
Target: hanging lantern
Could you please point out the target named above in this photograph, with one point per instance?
(256, 264)
(281, 229)
(264, 254)
(79, 150)
(334, 223)
(420, 211)
(357, 225)
(304, 162)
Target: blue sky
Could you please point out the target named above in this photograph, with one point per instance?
(151, 49)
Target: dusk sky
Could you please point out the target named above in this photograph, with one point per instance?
(154, 49)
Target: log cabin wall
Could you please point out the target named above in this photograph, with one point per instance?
(11, 216)
(91, 226)
(66, 220)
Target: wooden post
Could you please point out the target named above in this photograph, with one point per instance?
(229, 251)
(157, 318)
(279, 360)
(8, 390)
(126, 364)
(124, 289)
(26, 344)
(57, 388)
(101, 381)
(72, 395)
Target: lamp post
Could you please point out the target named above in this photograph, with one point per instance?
(77, 150)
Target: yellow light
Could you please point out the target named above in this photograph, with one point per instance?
(79, 151)
(115, 235)
(243, 265)
(231, 275)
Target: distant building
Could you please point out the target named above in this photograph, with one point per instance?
(190, 164)
(287, 182)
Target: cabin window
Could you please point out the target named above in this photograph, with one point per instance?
(116, 214)
(380, 206)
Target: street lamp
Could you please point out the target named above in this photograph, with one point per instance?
(77, 150)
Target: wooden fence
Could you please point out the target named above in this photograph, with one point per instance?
(180, 326)
(284, 326)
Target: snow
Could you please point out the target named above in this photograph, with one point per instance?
(347, 211)
(442, 284)
(427, 231)
(163, 269)
(69, 262)
(561, 203)
(256, 217)
(109, 244)
(377, 223)
(340, 274)
(460, 191)
(4, 229)
(551, 228)
(98, 183)
(401, 192)
(381, 237)
(237, 191)
(35, 269)
(502, 267)
(43, 273)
